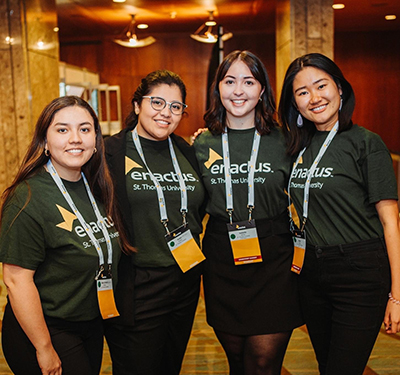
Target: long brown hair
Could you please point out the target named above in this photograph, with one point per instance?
(95, 169)
(215, 116)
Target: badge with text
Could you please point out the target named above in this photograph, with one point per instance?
(299, 242)
(105, 295)
(244, 242)
(184, 248)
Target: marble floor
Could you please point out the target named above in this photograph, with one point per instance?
(205, 356)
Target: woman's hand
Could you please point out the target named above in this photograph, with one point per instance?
(49, 362)
(196, 134)
(392, 316)
(389, 216)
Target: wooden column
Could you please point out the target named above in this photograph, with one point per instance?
(302, 26)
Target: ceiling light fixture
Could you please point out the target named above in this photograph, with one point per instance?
(130, 39)
(205, 33)
(390, 17)
(338, 6)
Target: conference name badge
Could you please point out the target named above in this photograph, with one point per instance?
(244, 242)
(184, 248)
(299, 242)
(105, 295)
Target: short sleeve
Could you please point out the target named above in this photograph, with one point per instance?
(379, 174)
(21, 239)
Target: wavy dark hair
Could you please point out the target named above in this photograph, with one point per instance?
(95, 169)
(215, 116)
(298, 138)
(148, 83)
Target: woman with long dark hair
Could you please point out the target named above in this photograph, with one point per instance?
(346, 218)
(250, 293)
(59, 239)
(161, 196)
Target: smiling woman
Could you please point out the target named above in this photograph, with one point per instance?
(70, 141)
(344, 194)
(251, 295)
(49, 260)
(162, 196)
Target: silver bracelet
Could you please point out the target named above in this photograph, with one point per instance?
(394, 300)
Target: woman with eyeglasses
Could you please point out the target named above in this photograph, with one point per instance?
(161, 198)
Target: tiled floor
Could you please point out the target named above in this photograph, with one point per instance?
(205, 356)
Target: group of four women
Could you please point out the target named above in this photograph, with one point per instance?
(303, 227)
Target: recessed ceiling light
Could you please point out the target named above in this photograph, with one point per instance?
(390, 17)
(119, 1)
(338, 6)
(142, 26)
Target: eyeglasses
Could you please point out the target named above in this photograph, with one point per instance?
(158, 104)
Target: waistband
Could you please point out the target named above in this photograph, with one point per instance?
(265, 227)
(352, 247)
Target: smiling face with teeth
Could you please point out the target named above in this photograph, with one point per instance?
(317, 97)
(158, 125)
(70, 140)
(240, 93)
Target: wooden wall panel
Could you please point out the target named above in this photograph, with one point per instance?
(371, 63)
(190, 59)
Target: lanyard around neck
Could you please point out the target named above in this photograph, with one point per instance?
(88, 229)
(310, 173)
(251, 169)
(160, 194)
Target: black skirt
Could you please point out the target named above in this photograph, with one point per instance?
(251, 299)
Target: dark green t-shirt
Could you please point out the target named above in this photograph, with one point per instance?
(355, 172)
(48, 238)
(149, 231)
(270, 178)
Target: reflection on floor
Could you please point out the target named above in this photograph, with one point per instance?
(205, 356)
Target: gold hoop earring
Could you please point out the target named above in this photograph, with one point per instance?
(94, 150)
(46, 152)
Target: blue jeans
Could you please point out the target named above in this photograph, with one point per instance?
(344, 292)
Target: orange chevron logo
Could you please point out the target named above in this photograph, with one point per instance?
(129, 164)
(68, 219)
(212, 158)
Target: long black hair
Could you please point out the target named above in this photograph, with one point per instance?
(298, 138)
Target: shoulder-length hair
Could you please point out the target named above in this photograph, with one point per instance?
(298, 138)
(95, 169)
(147, 85)
(215, 116)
